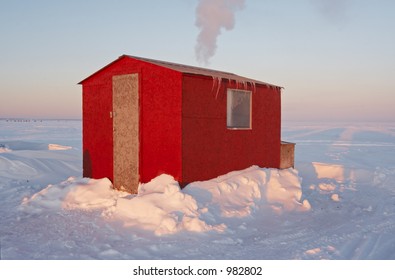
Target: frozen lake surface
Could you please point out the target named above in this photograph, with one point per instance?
(338, 202)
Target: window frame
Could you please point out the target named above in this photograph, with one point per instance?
(228, 114)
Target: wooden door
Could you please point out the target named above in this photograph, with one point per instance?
(126, 132)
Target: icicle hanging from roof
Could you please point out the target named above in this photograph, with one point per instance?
(217, 81)
(253, 87)
(241, 84)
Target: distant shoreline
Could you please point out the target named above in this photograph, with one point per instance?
(35, 119)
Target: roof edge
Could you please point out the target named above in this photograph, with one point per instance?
(187, 69)
(201, 71)
(163, 63)
(101, 69)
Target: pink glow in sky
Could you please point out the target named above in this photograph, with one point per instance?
(335, 59)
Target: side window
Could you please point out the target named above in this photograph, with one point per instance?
(238, 114)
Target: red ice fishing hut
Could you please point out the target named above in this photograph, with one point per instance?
(144, 117)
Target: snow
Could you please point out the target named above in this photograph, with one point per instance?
(4, 149)
(335, 197)
(163, 208)
(338, 203)
(58, 147)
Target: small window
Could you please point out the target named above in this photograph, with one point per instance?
(238, 114)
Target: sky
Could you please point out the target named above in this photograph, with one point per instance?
(335, 59)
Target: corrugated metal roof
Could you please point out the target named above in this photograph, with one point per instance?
(193, 70)
(187, 69)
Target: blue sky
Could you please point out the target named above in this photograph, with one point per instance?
(334, 58)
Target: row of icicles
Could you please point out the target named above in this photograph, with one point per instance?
(242, 85)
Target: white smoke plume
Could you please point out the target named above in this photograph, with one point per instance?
(211, 17)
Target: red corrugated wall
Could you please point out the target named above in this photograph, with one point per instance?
(160, 120)
(182, 125)
(97, 130)
(209, 149)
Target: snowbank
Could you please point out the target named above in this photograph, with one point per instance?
(348, 175)
(238, 193)
(18, 145)
(4, 149)
(163, 208)
(57, 147)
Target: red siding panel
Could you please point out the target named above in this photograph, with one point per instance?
(161, 123)
(182, 124)
(160, 120)
(209, 148)
(97, 131)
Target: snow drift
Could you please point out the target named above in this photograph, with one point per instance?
(163, 208)
(4, 149)
(348, 173)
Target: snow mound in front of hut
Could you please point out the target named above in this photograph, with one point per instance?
(163, 208)
(240, 193)
(84, 194)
